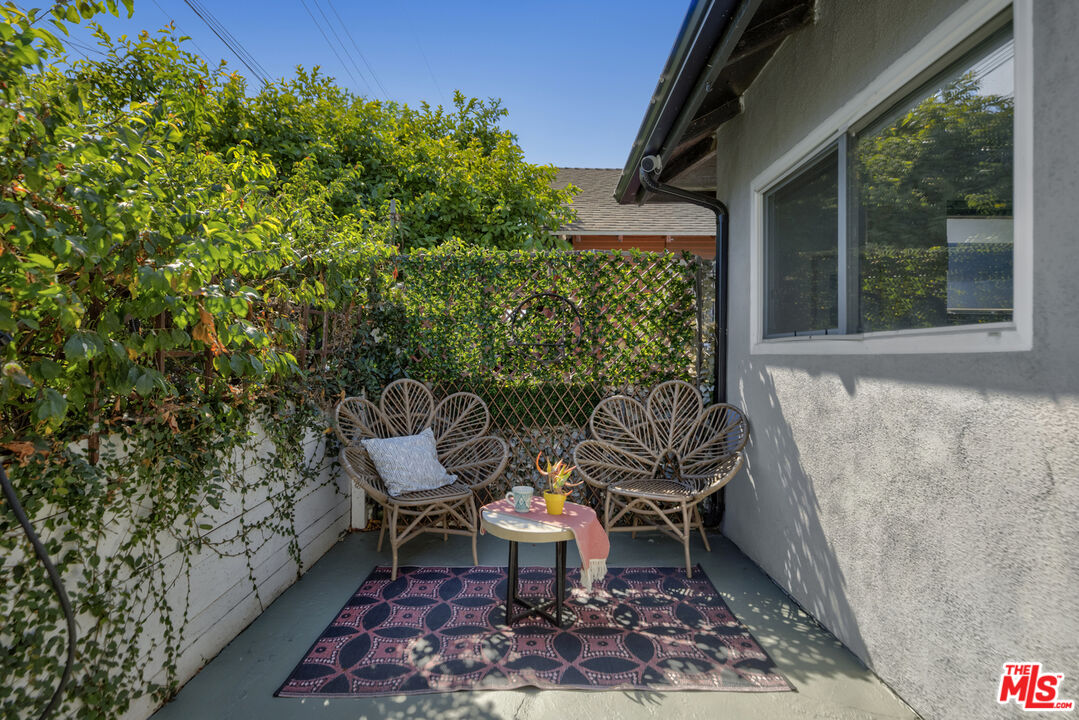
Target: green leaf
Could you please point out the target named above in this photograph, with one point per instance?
(51, 406)
(237, 364)
(145, 384)
(17, 375)
(48, 369)
(221, 364)
(24, 54)
(41, 260)
(35, 216)
(82, 346)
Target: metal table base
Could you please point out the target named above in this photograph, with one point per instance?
(541, 609)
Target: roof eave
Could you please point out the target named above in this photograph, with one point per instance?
(704, 44)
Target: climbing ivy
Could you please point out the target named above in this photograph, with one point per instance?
(160, 252)
(148, 292)
(616, 318)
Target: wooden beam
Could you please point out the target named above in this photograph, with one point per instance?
(707, 123)
(771, 31)
(760, 36)
(685, 160)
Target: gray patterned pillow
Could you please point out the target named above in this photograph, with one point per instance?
(409, 463)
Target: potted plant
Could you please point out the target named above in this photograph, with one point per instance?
(557, 484)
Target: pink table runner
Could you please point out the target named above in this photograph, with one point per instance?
(592, 542)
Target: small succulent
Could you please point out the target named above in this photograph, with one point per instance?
(557, 476)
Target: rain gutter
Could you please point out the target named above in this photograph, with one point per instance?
(705, 42)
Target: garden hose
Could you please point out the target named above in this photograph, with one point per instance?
(58, 585)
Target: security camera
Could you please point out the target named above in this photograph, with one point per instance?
(652, 164)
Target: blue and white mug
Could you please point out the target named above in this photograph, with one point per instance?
(521, 497)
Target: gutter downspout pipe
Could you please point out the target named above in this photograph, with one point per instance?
(649, 179)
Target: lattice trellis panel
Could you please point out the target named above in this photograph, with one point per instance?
(543, 337)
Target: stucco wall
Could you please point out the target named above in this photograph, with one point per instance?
(922, 507)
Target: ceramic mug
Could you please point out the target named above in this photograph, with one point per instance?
(521, 497)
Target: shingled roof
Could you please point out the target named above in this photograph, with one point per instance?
(599, 213)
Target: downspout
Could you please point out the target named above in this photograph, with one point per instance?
(649, 181)
(648, 172)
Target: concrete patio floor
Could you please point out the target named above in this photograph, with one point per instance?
(829, 681)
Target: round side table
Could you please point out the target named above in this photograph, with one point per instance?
(517, 527)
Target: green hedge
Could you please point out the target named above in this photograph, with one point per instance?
(633, 317)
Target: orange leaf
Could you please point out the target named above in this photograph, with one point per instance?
(22, 449)
(205, 331)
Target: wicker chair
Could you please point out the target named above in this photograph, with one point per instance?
(656, 462)
(459, 422)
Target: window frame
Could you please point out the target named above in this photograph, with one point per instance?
(769, 221)
(951, 40)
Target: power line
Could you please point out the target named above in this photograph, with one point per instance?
(340, 43)
(330, 45)
(235, 44)
(432, 72)
(83, 48)
(202, 53)
(423, 55)
(223, 35)
(229, 40)
(371, 70)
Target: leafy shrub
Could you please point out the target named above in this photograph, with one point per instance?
(159, 229)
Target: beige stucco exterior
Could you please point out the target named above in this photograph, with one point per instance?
(921, 506)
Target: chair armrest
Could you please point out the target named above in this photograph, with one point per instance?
(601, 463)
(478, 462)
(361, 471)
(709, 477)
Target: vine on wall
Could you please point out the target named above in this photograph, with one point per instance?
(158, 296)
(149, 286)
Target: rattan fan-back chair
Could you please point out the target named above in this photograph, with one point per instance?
(459, 422)
(656, 462)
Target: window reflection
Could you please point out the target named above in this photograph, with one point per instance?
(935, 200)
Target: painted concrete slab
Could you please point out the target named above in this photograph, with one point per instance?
(829, 681)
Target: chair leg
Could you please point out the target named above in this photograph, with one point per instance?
(700, 526)
(607, 511)
(475, 516)
(382, 528)
(445, 520)
(393, 541)
(686, 531)
(636, 522)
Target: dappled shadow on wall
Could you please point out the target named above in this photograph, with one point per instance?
(808, 568)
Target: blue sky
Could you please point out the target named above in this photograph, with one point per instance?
(575, 76)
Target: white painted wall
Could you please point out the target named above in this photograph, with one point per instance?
(359, 507)
(221, 599)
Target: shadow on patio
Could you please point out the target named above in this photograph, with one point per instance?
(240, 682)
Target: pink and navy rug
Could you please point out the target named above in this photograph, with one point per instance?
(438, 629)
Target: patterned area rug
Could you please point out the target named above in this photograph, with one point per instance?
(439, 629)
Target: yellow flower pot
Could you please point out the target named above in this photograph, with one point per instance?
(555, 502)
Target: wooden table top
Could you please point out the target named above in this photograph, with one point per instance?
(522, 527)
